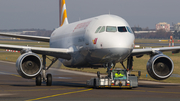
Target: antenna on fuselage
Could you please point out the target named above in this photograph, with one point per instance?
(109, 12)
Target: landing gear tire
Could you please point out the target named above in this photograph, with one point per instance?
(49, 80)
(98, 74)
(38, 80)
(94, 85)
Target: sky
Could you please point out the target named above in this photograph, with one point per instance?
(44, 14)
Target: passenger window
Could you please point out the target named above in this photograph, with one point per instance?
(102, 29)
(98, 29)
(111, 29)
(129, 29)
(122, 29)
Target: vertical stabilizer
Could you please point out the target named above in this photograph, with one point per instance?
(63, 14)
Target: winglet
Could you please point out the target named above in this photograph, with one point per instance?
(63, 14)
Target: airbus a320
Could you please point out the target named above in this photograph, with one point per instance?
(96, 42)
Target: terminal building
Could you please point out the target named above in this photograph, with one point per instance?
(163, 25)
(177, 27)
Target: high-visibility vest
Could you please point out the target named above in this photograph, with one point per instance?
(118, 75)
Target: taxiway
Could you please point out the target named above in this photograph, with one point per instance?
(71, 86)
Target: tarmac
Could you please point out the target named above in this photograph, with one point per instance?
(71, 86)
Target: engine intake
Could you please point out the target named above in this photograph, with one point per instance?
(29, 65)
(160, 67)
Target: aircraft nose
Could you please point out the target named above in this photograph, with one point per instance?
(120, 40)
(118, 46)
(112, 47)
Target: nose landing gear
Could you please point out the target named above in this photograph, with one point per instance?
(129, 63)
(109, 66)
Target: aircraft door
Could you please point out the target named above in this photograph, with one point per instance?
(88, 34)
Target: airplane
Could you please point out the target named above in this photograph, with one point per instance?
(101, 41)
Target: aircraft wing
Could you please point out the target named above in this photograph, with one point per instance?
(55, 52)
(138, 52)
(29, 37)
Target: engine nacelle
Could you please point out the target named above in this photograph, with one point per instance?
(29, 65)
(160, 67)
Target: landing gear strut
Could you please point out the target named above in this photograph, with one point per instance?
(45, 78)
(129, 63)
(109, 66)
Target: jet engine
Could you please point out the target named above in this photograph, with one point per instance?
(160, 67)
(29, 65)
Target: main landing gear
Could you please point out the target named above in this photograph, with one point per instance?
(48, 80)
(45, 78)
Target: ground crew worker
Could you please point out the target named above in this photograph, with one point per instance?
(118, 74)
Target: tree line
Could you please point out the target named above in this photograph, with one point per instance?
(159, 34)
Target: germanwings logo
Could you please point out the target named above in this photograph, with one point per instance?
(94, 41)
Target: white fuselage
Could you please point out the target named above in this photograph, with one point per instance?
(89, 48)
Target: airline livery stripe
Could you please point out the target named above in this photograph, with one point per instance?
(62, 5)
(64, 17)
(62, 12)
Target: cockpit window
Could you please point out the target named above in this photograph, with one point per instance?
(111, 29)
(102, 29)
(129, 29)
(98, 29)
(122, 29)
